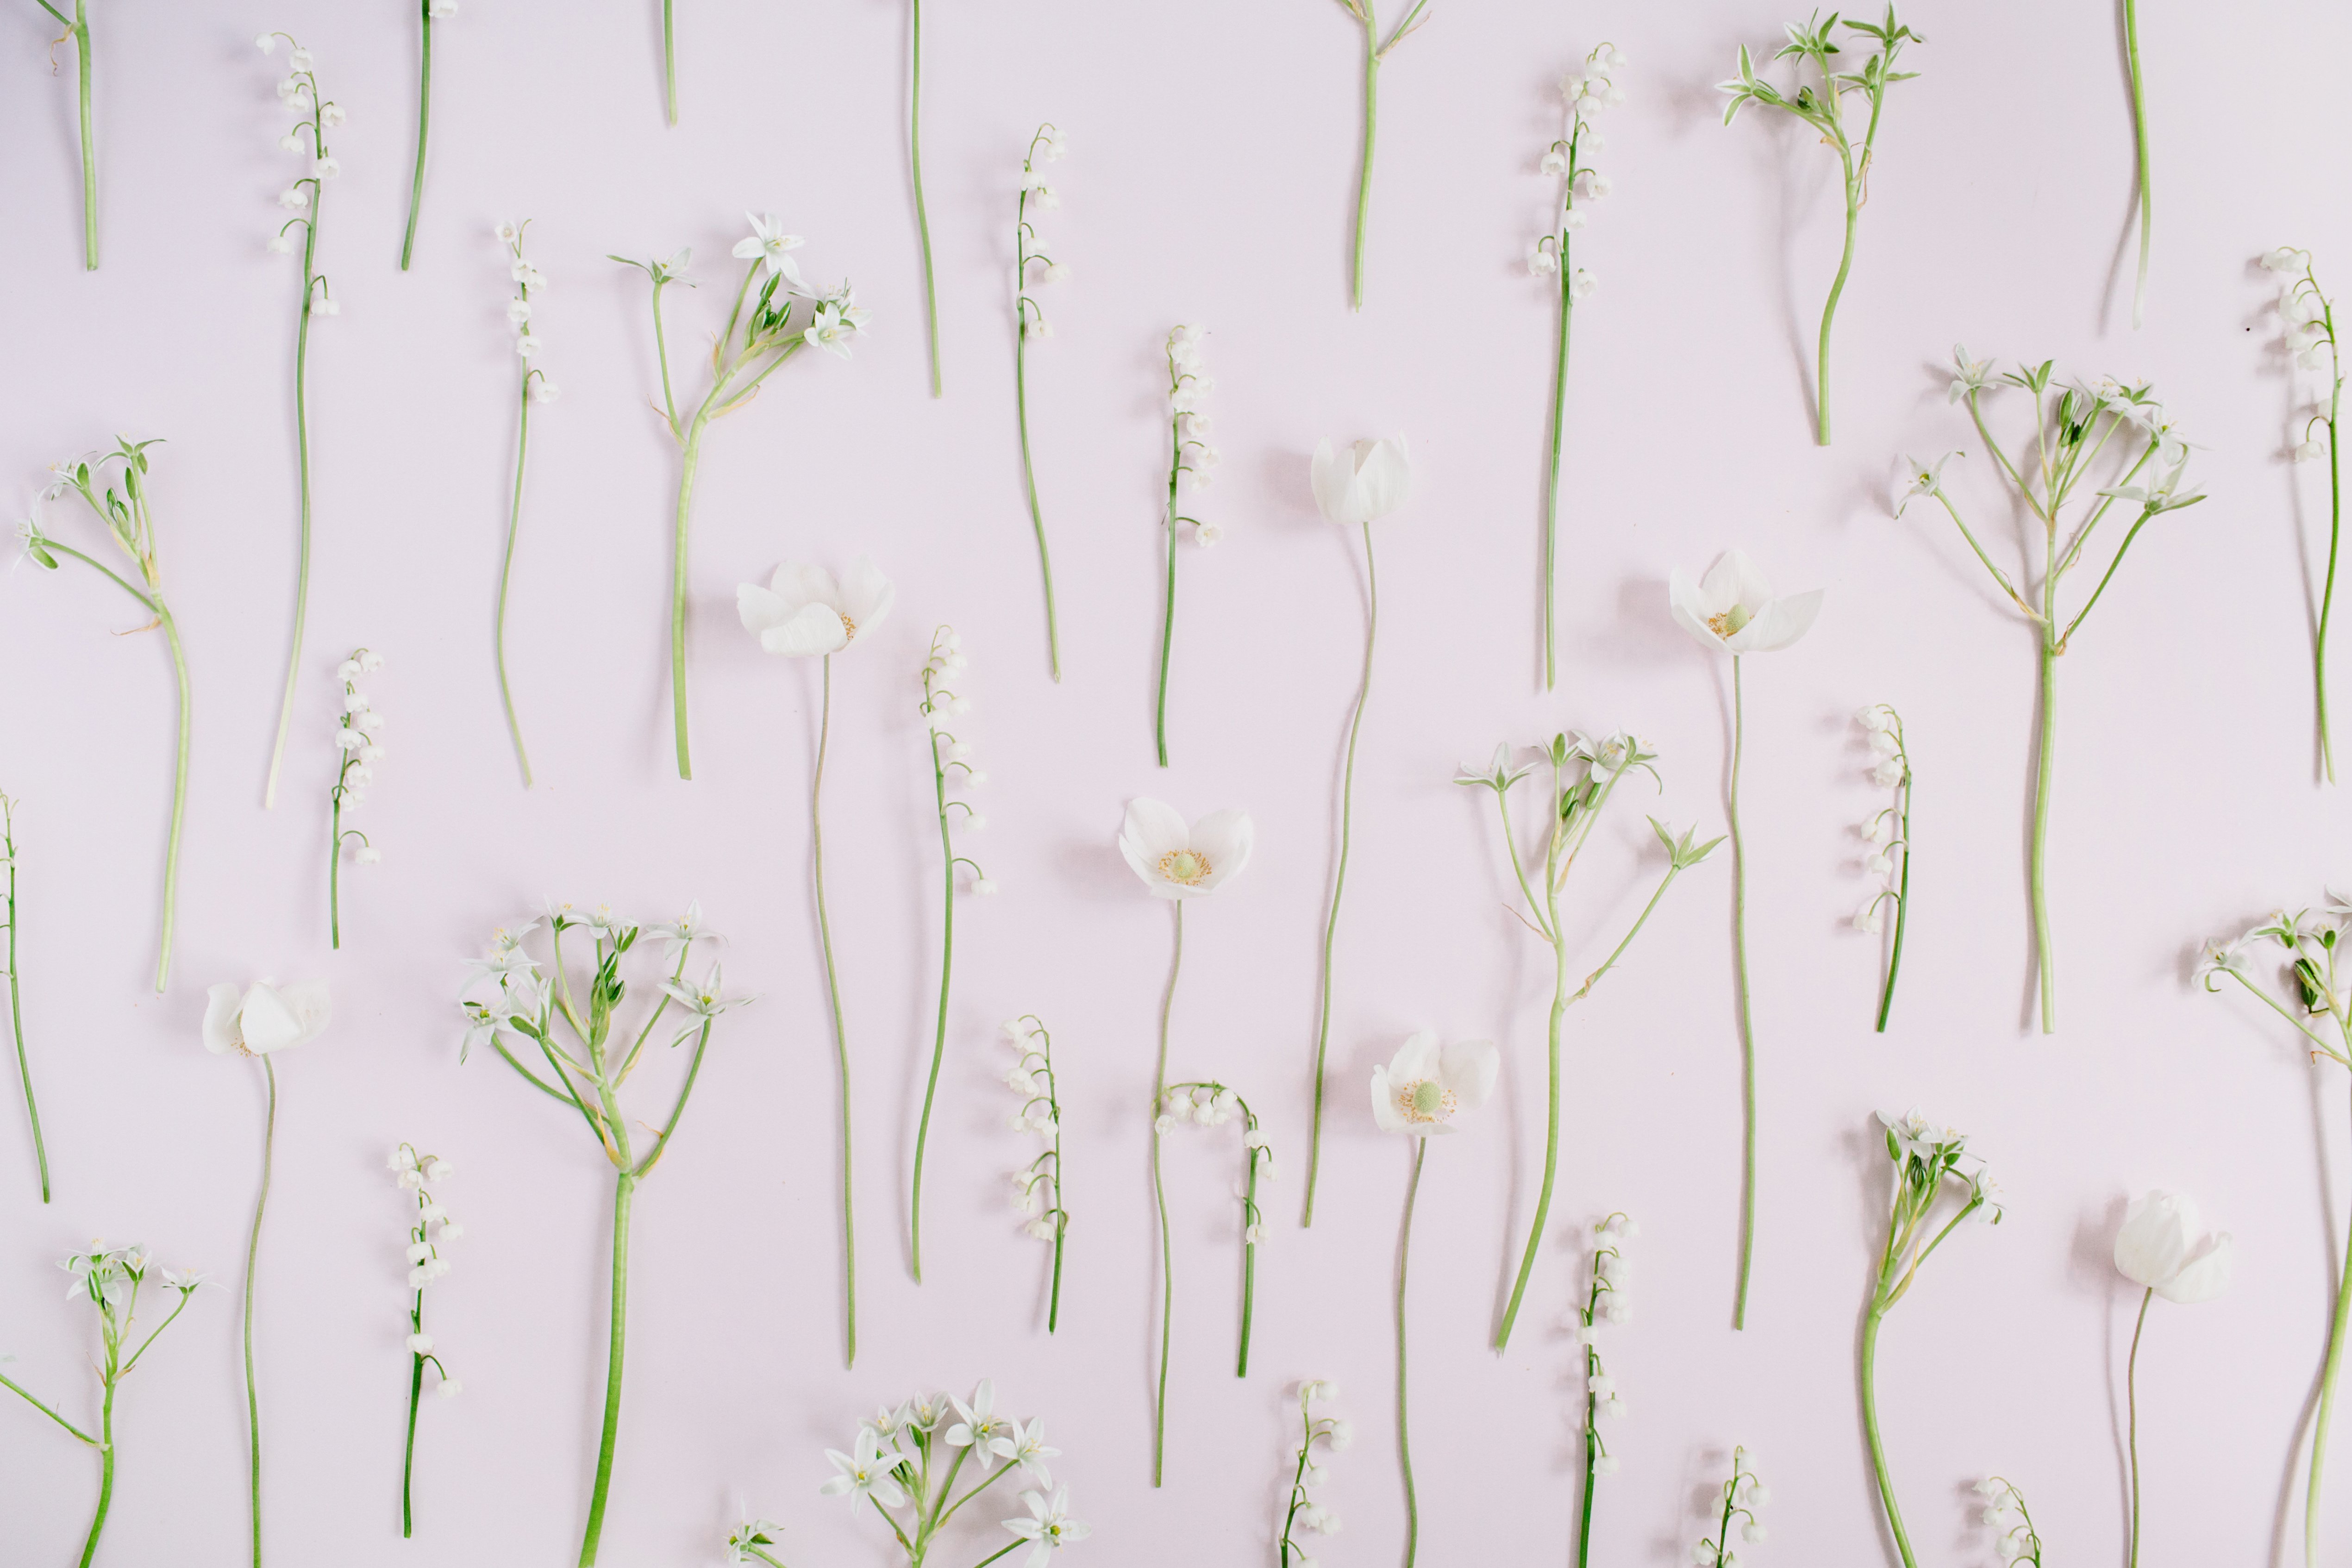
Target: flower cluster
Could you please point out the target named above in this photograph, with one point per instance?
(1311, 1469)
(1886, 831)
(2005, 1513)
(430, 1230)
(359, 747)
(905, 1463)
(1212, 1105)
(299, 94)
(521, 312)
(2308, 315)
(1587, 92)
(1048, 146)
(2315, 992)
(950, 754)
(1037, 1186)
(1743, 1494)
(1192, 458)
(110, 1278)
(1604, 1302)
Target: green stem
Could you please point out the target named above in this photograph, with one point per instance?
(2139, 147)
(1837, 287)
(1591, 1455)
(922, 218)
(1405, 1428)
(1251, 1215)
(1160, 1198)
(82, 68)
(624, 1188)
(840, 1028)
(1560, 1005)
(335, 868)
(1029, 471)
(1168, 611)
(23, 1393)
(1551, 486)
(1902, 903)
(2327, 592)
(424, 130)
(1870, 1423)
(947, 973)
(2044, 941)
(1061, 1229)
(688, 465)
(669, 60)
(415, 1393)
(252, 1258)
(506, 572)
(179, 799)
(2131, 1408)
(105, 1469)
(302, 454)
(16, 999)
(1746, 1018)
(1340, 877)
(1371, 132)
(2330, 1369)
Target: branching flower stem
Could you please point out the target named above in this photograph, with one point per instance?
(1375, 51)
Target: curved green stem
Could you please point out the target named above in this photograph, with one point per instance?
(15, 998)
(2139, 148)
(1340, 877)
(922, 217)
(947, 974)
(252, 1258)
(2329, 1372)
(1029, 479)
(506, 573)
(179, 799)
(1837, 287)
(2328, 591)
(1551, 486)
(1160, 1198)
(2045, 939)
(840, 1028)
(423, 131)
(335, 868)
(302, 454)
(2131, 1408)
(1747, 1018)
(1405, 1428)
(623, 1190)
(1371, 133)
(105, 1473)
(689, 464)
(415, 1393)
(79, 30)
(1168, 611)
(1877, 1445)
(1902, 903)
(1560, 1005)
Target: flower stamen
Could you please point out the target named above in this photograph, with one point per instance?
(1186, 868)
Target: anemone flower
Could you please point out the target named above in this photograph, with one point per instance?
(2160, 1249)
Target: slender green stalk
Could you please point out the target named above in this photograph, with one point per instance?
(1371, 134)
(15, 998)
(2045, 939)
(1340, 876)
(1405, 1428)
(1558, 423)
(423, 131)
(506, 572)
(2335, 538)
(179, 798)
(105, 1460)
(1902, 900)
(2139, 148)
(252, 1260)
(1746, 1018)
(415, 1393)
(922, 218)
(949, 859)
(1167, 610)
(687, 466)
(335, 871)
(1159, 1198)
(1870, 1424)
(1837, 287)
(840, 1028)
(2330, 1370)
(669, 60)
(77, 28)
(2131, 1406)
(302, 458)
(625, 1188)
(1022, 306)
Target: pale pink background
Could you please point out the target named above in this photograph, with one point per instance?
(1210, 180)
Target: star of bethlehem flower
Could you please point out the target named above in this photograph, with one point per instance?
(772, 247)
(1049, 1525)
(868, 1471)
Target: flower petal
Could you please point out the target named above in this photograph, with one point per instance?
(2154, 1240)
(1153, 829)
(866, 595)
(1469, 1068)
(220, 1018)
(1332, 483)
(1383, 474)
(1734, 580)
(811, 629)
(1416, 1058)
(760, 608)
(1384, 1108)
(308, 1001)
(1689, 604)
(2203, 1277)
(268, 1022)
(798, 583)
(1778, 623)
(1224, 840)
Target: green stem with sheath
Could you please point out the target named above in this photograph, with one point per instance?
(77, 28)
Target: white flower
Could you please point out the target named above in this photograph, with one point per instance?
(418, 1343)
(267, 1017)
(803, 610)
(1867, 919)
(450, 1388)
(527, 345)
(440, 8)
(2158, 1247)
(1914, 479)
(1732, 610)
(369, 855)
(280, 244)
(1580, 286)
(293, 196)
(267, 42)
(1367, 484)
(1049, 1524)
(1029, 1449)
(1969, 375)
(1424, 1086)
(1542, 262)
(1888, 772)
(2312, 449)
(674, 935)
(2286, 258)
(326, 167)
(705, 1000)
(981, 1430)
(867, 1472)
(984, 886)
(1555, 161)
(832, 329)
(1597, 185)
(1206, 535)
(772, 247)
(1179, 862)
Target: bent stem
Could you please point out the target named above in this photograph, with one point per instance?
(415, 1393)
(1160, 1198)
(1746, 1018)
(1371, 133)
(15, 1000)
(1837, 285)
(2139, 148)
(1870, 1424)
(424, 130)
(2329, 1372)
(922, 219)
(506, 573)
(1902, 902)
(1340, 877)
(623, 1190)
(252, 1258)
(947, 858)
(2131, 1406)
(1168, 611)
(1405, 1431)
(840, 1030)
(2328, 591)
(2044, 941)
(1028, 467)
(1551, 487)
(302, 450)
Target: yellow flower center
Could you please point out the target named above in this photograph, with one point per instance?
(848, 627)
(1729, 622)
(1184, 867)
(1425, 1100)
